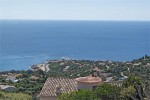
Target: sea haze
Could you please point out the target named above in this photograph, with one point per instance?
(24, 43)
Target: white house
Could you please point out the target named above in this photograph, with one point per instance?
(7, 88)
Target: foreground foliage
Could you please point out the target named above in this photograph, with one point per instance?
(14, 96)
(77, 95)
(107, 92)
(103, 92)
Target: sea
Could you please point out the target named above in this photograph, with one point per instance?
(27, 42)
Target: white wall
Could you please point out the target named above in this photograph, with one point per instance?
(86, 86)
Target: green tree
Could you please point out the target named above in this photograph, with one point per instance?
(128, 93)
(107, 91)
(14, 96)
(133, 88)
(77, 95)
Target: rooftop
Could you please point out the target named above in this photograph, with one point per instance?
(89, 79)
(49, 88)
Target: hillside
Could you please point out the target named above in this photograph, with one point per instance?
(31, 81)
(105, 69)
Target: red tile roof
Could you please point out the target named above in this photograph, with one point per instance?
(49, 88)
(89, 79)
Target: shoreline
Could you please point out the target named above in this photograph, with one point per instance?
(44, 65)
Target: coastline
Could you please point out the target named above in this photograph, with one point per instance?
(44, 66)
(109, 71)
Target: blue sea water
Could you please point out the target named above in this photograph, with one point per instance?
(24, 43)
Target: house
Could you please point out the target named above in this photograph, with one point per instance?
(55, 86)
(88, 82)
(19, 75)
(109, 79)
(34, 77)
(12, 79)
(7, 88)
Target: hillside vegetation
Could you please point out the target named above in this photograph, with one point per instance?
(79, 68)
(14, 96)
(31, 81)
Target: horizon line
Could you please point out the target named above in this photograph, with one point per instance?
(72, 20)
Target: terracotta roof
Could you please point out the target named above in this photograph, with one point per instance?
(49, 88)
(89, 79)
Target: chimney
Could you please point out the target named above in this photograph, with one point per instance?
(58, 89)
(94, 74)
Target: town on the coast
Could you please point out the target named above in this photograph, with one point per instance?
(69, 79)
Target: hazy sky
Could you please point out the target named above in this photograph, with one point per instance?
(75, 9)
